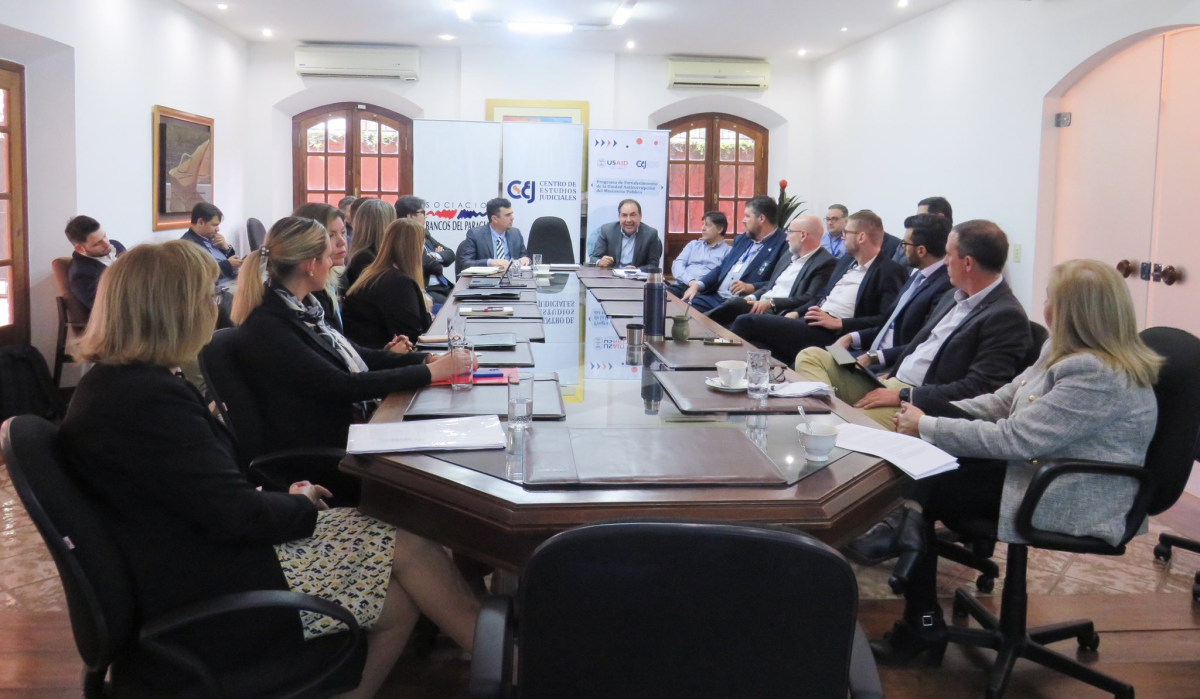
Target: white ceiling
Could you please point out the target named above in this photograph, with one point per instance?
(774, 29)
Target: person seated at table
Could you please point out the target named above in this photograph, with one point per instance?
(143, 445)
(863, 284)
(335, 223)
(310, 381)
(437, 256)
(496, 243)
(1089, 396)
(628, 242)
(748, 266)
(370, 221)
(389, 300)
(702, 255)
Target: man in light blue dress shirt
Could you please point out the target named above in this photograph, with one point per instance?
(702, 255)
(834, 239)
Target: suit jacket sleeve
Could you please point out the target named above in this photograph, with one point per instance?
(653, 253)
(712, 280)
(84, 288)
(431, 265)
(1003, 343)
(889, 289)
(469, 254)
(601, 247)
(446, 254)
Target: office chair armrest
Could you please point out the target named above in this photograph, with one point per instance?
(288, 457)
(152, 635)
(279, 469)
(864, 676)
(491, 658)
(1052, 469)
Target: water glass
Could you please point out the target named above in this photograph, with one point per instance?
(463, 354)
(456, 326)
(520, 400)
(537, 261)
(515, 451)
(758, 373)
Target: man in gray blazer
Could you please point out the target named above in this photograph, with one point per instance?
(796, 280)
(627, 242)
(496, 244)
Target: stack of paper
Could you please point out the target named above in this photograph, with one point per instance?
(479, 271)
(913, 455)
(483, 432)
(563, 266)
(799, 389)
(630, 274)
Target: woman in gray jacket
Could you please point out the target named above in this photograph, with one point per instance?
(1089, 396)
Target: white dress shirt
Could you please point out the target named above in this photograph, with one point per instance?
(841, 301)
(783, 285)
(912, 370)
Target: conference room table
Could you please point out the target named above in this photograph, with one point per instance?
(483, 511)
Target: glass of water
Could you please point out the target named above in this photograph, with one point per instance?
(456, 326)
(520, 400)
(758, 373)
(463, 358)
(537, 261)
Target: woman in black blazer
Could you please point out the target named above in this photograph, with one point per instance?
(388, 299)
(370, 221)
(143, 445)
(311, 382)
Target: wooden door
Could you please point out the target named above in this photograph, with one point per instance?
(351, 149)
(14, 261)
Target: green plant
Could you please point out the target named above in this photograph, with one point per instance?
(789, 207)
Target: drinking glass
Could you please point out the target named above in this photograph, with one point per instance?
(520, 400)
(456, 326)
(463, 353)
(758, 373)
(537, 261)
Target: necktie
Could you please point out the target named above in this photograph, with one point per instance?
(908, 294)
(501, 249)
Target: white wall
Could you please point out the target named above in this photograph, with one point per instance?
(951, 104)
(95, 70)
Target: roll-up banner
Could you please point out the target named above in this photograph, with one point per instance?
(626, 165)
(543, 173)
(456, 168)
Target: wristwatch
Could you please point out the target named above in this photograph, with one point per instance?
(906, 395)
(772, 302)
(873, 356)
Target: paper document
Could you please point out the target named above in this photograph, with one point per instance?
(479, 271)
(630, 274)
(563, 266)
(799, 389)
(483, 432)
(913, 455)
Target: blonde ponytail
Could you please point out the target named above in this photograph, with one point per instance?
(291, 242)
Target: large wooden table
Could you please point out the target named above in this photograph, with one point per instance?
(495, 520)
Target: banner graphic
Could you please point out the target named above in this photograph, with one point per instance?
(626, 165)
(543, 173)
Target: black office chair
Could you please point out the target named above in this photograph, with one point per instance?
(100, 599)
(669, 610)
(550, 238)
(239, 408)
(1161, 481)
(256, 233)
(1162, 551)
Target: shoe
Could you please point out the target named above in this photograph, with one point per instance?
(902, 531)
(924, 635)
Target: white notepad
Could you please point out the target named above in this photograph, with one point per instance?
(483, 432)
(479, 271)
(913, 455)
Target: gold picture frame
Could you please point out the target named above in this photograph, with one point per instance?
(183, 166)
(540, 111)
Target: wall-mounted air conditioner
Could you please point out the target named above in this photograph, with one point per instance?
(331, 60)
(729, 73)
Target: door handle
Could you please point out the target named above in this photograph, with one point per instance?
(1126, 268)
(1170, 275)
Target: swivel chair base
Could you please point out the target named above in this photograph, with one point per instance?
(1163, 553)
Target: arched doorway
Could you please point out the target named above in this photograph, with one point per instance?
(350, 148)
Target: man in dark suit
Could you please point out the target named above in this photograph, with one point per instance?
(748, 266)
(94, 252)
(799, 275)
(937, 206)
(864, 283)
(628, 242)
(437, 256)
(206, 232)
(974, 342)
(496, 244)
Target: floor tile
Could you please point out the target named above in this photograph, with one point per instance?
(1071, 586)
(1111, 572)
(44, 596)
(13, 515)
(26, 568)
(14, 542)
(8, 602)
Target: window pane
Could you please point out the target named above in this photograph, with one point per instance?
(369, 136)
(727, 175)
(337, 173)
(675, 218)
(3, 107)
(746, 181)
(334, 198)
(5, 228)
(6, 303)
(337, 135)
(4, 164)
(696, 143)
(728, 144)
(741, 214)
(316, 138)
(316, 197)
(676, 180)
(679, 146)
(695, 215)
(370, 174)
(390, 139)
(390, 198)
(725, 206)
(316, 172)
(746, 149)
(696, 180)
(390, 174)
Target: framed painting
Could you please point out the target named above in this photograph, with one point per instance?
(538, 111)
(183, 166)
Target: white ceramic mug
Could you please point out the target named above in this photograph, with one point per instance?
(818, 441)
(731, 372)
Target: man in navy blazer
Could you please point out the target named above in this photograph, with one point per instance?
(94, 252)
(628, 242)
(748, 266)
(206, 232)
(496, 244)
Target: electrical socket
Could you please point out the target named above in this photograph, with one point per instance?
(1016, 253)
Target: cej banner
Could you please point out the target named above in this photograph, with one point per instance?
(543, 173)
(626, 165)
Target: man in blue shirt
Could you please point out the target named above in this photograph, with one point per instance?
(206, 232)
(834, 239)
(702, 255)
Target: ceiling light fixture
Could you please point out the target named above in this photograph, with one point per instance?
(222, 6)
(267, 32)
(802, 52)
(629, 44)
(622, 14)
(463, 10)
(845, 29)
(902, 4)
(446, 37)
(540, 28)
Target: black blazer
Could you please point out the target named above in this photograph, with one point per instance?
(435, 265)
(760, 269)
(354, 268)
(647, 246)
(305, 393)
(878, 291)
(392, 305)
(914, 314)
(983, 353)
(160, 468)
(891, 244)
(227, 269)
(84, 275)
(809, 283)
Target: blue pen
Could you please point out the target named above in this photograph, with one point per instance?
(489, 374)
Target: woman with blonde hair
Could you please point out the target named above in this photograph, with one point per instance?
(334, 220)
(388, 300)
(141, 442)
(1089, 396)
(370, 221)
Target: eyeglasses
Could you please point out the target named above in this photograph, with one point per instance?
(907, 244)
(832, 219)
(776, 373)
(420, 212)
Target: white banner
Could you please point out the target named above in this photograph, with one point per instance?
(626, 165)
(543, 173)
(456, 169)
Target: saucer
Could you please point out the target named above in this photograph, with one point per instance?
(715, 382)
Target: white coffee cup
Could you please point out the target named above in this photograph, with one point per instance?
(818, 440)
(543, 269)
(731, 372)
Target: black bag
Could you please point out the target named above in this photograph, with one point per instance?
(26, 386)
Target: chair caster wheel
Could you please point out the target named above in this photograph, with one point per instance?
(896, 584)
(1196, 593)
(1089, 642)
(1162, 552)
(1196, 579)
(960, 610)
(985, 583)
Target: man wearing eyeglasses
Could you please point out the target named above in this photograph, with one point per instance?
(834, 239)
(437, 256)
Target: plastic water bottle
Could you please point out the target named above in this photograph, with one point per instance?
(654, 305)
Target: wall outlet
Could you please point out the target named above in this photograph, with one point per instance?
(1016, 253)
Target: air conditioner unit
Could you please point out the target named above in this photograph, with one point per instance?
(728, 73)
(330, 60)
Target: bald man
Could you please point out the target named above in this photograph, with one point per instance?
(796, 279)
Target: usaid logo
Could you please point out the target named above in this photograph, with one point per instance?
(619, 164)
(523, 190)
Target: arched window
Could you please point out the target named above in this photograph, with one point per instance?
(351, 148)
(716, 162)
(14, 264)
